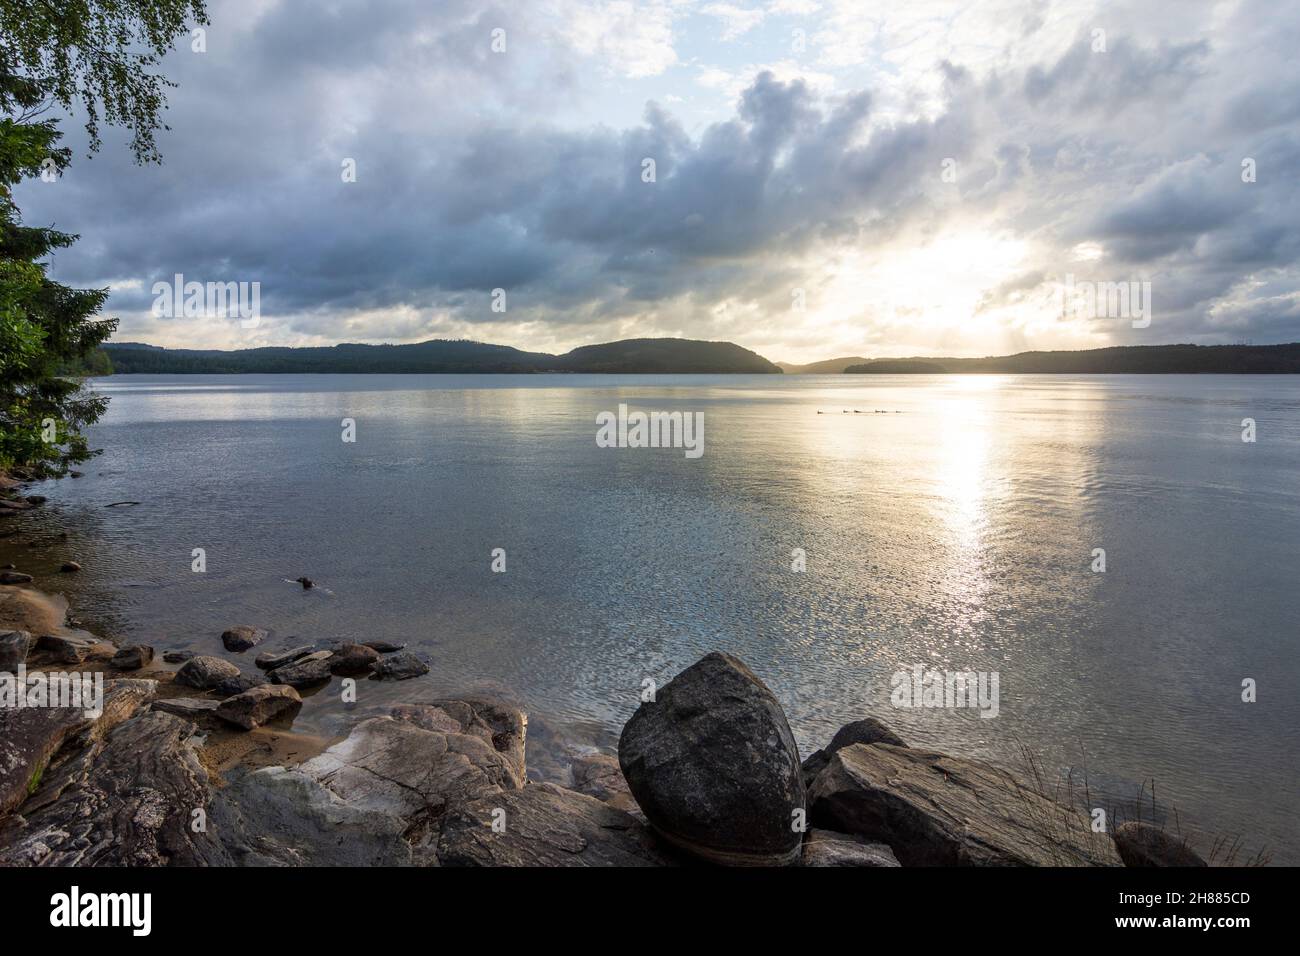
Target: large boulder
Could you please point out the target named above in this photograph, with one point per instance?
(256, 706)
(866, 731)
(545, 825)
(825, 848)
(714, 767)
(31, 736)
(241, 638)
(936, 810)
(203, 672)
(1141, 844)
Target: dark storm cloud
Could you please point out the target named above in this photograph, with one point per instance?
(464, 184)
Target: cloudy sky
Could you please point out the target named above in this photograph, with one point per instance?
(831, 177)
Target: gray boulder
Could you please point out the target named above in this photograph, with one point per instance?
(545, 825)
(936, 810)
(714, 767)
(1141, 844)
(241, 638)
(825, 848)
(203, 672)
(255, 707)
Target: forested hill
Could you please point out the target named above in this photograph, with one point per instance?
(1129, 359)
(630, 355)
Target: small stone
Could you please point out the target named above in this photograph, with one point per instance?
(177, 657)
(204, 672)
(353, 660)
(241, 638)
(307, 583)
(401, 666)
(827, 848)
(230, 686)
(255, 707)
(384, 647)
(69, 567)
(304, 672)
(132, 657)
(14, 577)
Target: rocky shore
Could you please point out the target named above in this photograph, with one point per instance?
(191, 760)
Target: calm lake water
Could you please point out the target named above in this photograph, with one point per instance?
(947, 520)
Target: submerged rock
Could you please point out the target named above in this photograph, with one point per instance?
(177, 657)
(204, 672)
(69, 567)
(545, 825)
(255, 707)
(402, 666)
(384, 647)
(241, 638)
(936, 810)
(14, 577)
(1141, 844)
(825, 848)
(714, 767)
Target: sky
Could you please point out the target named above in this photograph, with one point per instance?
(830, 177)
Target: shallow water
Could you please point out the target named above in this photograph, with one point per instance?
(953, 528)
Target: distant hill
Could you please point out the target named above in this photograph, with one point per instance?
(1126, 359)
(441, 355)
(828, 367)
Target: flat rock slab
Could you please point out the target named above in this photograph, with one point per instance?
(866, 731)
(126, 800)
(255, 707)
(500, 725)
(31, 736)
(270, 660)
(824, 848)
(935, 810)
(191, 708)
(545, 825)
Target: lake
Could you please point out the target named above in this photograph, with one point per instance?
(944, 521)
